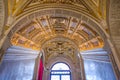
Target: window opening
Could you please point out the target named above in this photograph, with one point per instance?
(60, 71)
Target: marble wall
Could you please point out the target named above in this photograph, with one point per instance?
(17, 70)
(18, 64)
(98, 70)
(98, 65)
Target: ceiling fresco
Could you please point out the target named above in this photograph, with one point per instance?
(47, 27)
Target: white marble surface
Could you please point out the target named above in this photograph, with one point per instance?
(18, 64)
(17, 70)
(98, 70)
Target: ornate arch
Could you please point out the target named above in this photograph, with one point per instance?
(26, 17)
(29, 17)
(65, 59)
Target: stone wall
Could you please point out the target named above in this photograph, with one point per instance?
(1, 16)
(114, 23)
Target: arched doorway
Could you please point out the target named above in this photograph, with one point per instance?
(60, 71)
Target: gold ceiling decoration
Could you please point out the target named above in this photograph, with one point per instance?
(47, 27)
(96, 8)
(59, 47)
(41, 29)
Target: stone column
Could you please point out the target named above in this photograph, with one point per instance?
(115, 68)
(82, 68)
(36, 67)
(4, 48)
(46, 75)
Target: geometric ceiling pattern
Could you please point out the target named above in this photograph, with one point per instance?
(48, 27)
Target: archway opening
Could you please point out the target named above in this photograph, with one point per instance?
(60, 71)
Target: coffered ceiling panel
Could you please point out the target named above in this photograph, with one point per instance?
(47, 27)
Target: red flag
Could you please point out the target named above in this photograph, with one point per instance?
(40, 72)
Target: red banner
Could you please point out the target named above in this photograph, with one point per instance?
(40, 72)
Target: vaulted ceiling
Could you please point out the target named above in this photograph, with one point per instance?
(97, 8)
(47, 27)
(13, 13)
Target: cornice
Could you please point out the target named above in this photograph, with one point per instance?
(68, 7)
